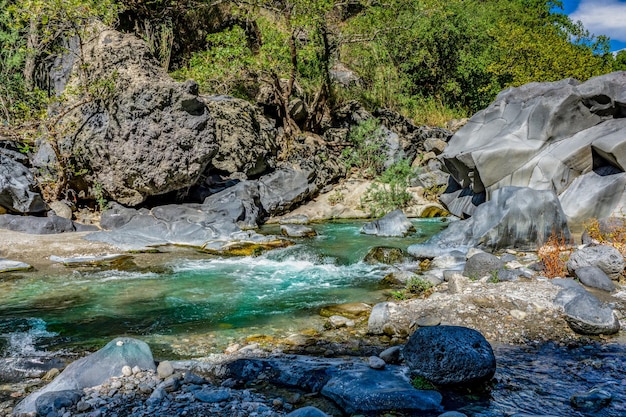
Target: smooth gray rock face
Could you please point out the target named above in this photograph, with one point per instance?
(94, 369)
(244, 145)
(482, 264)
(594, 277)
(42, 225)
(17, 186)
(154, 136)
(514, 218)
(394, 224)
(448, 355)
(607, 258)
(563, 136)
(584, 313)
(285, 188)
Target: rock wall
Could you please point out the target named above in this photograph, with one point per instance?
(564, 136)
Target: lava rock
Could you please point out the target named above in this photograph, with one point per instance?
(607, 258)
(447, 355)
(17, 186)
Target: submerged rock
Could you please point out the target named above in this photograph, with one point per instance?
(448, 355)
(7, 265)
(296, 230)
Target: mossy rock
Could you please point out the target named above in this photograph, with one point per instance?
(386, 255)
(244, 248)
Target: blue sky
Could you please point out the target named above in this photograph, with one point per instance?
(601, 17)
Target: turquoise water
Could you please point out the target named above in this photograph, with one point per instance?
(210, 300)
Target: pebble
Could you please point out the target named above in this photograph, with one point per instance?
(165, 369)
(127, 371)
(376, 363)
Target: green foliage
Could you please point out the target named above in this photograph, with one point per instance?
(415, 286)
(391, 193)
(419, 382)
(368, 151)
(619, 64)
(226, 67)
(494, 278)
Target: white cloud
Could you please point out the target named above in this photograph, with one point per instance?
(603, 17)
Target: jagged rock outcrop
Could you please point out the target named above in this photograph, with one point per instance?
(17, 184)
(564, 136)
(152, 136)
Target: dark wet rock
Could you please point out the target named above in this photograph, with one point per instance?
(296, 230)
(117, 216)
(452, 414)
(584, 313)
(449, 355)
(307, 412)
(369, 391)
(94, 369)
(513, 218)
(392, 224)
(594, 277)
(563, 136)
(605, 257)
(386, 255)
(391, 355)
(17, 187)
(482, 264)
(591, 401)
(212, 396)
(153, 137)
(51, 402)
(42, 225)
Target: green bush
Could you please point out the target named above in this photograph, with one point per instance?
(368, 151)
(390, 192)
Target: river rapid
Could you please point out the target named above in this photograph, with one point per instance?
(193, 305)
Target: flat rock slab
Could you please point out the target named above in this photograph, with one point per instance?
(7, 265)
(373, 391)
(90, 260)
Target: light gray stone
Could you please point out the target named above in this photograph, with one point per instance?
(607, 258)
(394, 223)
(594, 277)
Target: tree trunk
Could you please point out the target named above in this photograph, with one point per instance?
(32, 43)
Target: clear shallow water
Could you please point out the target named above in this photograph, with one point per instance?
(219, 299)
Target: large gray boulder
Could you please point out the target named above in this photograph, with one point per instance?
(17, 187)
(152, 136)
(393, 224)
(42, 225)
(246, 144)
(562, 136)
(514, 218)
(583, 312)
(448, 355)
(93, 370)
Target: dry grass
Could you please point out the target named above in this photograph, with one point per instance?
(553, 255)
(611, 231)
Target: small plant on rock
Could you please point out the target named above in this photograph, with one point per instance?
(419, 382)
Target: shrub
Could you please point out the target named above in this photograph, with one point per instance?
(391, 193)
(368, 151)
(553, 255)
